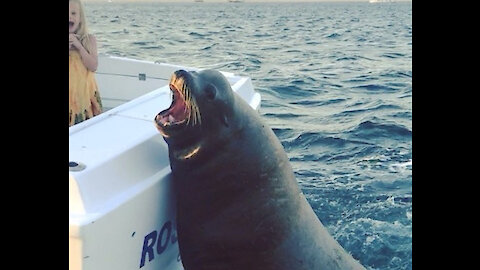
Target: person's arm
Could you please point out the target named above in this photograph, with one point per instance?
(90, 60)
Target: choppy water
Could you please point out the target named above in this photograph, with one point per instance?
(336, 86)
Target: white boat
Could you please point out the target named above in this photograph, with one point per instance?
(122, 210)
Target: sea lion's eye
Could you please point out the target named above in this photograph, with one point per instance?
(210, 91)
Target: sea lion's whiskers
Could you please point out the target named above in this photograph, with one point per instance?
(190, 104)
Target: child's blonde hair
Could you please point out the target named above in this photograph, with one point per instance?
(82, 31)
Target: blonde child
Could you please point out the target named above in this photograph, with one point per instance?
(84, 97)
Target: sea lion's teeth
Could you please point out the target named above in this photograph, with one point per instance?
(162, 120)
(170, 118)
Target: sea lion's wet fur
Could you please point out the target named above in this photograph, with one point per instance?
(239, 205)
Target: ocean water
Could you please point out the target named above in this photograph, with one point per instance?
(336, 86)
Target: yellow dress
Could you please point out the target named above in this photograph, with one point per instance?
(84, 97)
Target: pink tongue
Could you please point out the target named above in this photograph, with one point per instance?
(166, 119)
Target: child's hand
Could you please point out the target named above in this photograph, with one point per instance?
(73, 42)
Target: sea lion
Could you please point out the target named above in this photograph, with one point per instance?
(239, 205)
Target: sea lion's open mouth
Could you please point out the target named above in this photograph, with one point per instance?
(183, 109)
(178, 111)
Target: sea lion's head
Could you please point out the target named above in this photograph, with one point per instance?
(201, 101)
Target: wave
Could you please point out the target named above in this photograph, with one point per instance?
(309, 102)
(381, 107)
(333, 35)
(311, 139)
(291, 91)
(375, 88)
(373, 130)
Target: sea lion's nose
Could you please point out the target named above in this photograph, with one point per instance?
(181, 73)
